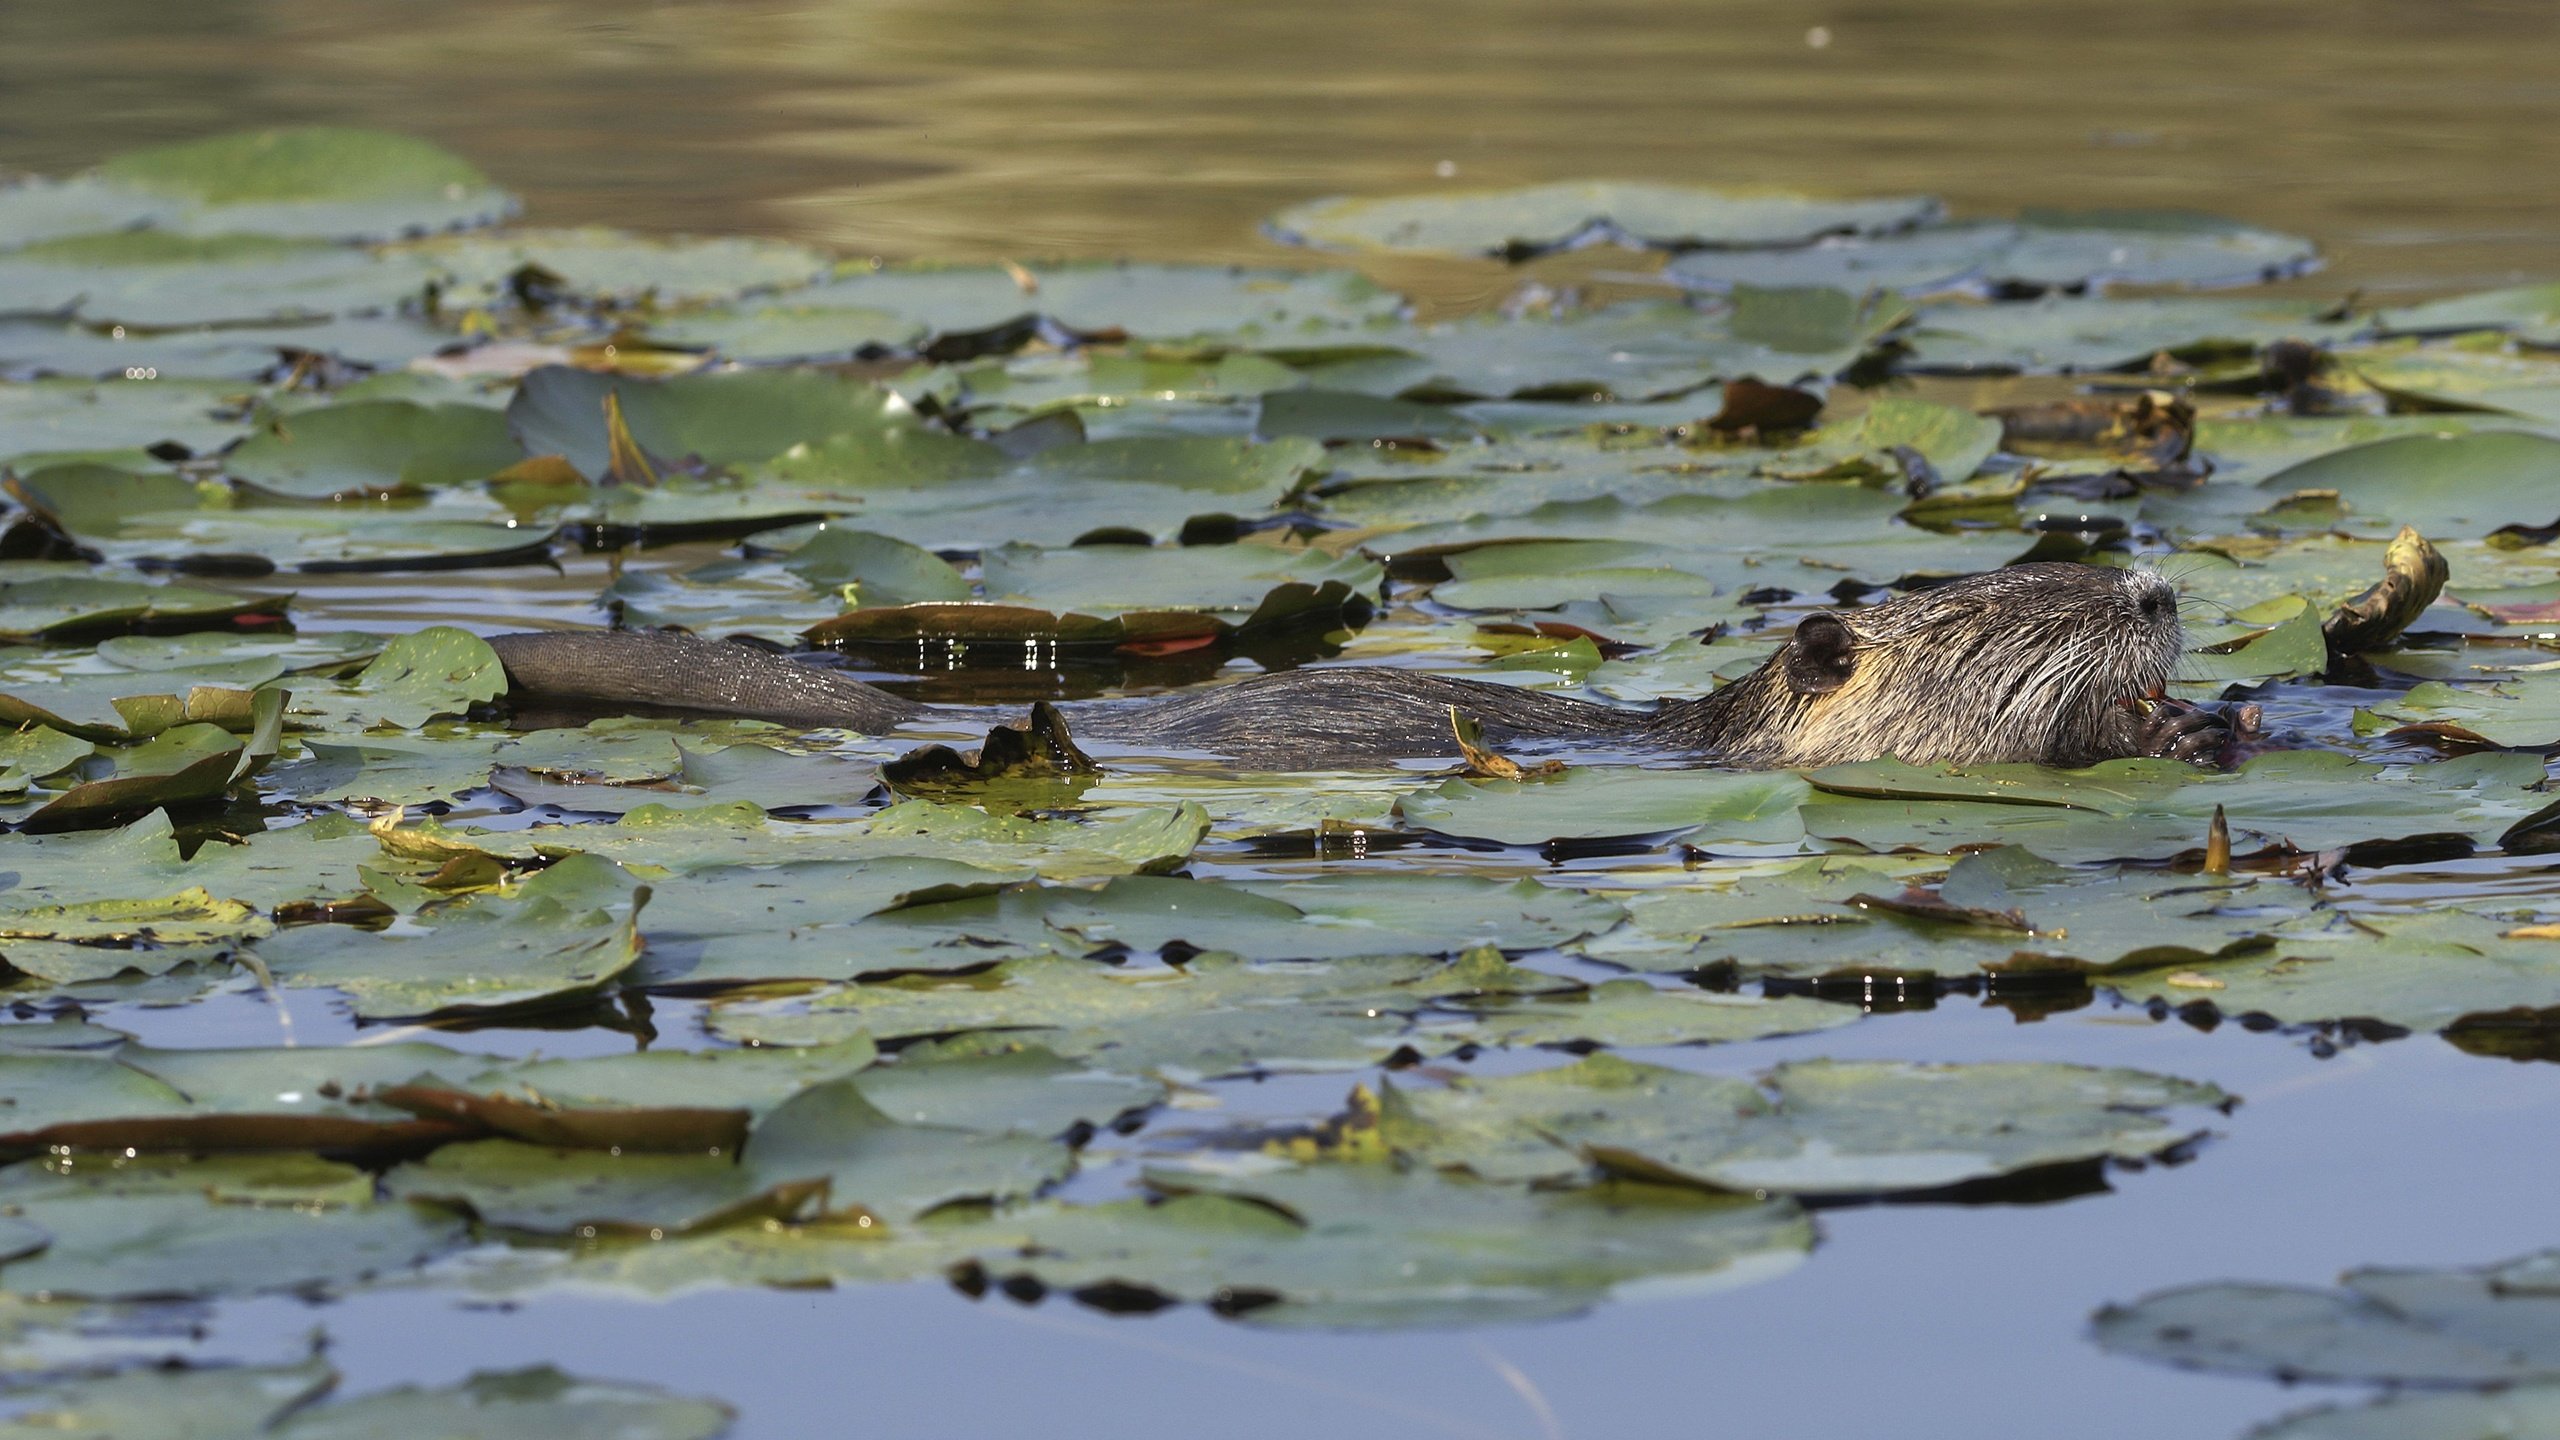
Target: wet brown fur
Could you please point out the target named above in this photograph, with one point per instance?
(2029, 663)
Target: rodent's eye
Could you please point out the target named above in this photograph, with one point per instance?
(2154, 604)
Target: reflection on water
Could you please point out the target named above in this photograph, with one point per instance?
(2407, 138)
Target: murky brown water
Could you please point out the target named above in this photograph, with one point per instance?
(2414, 141)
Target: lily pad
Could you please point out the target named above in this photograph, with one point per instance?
(227, 1226)
(2040, 251)
(374, 448)
(991, 307)
(1814, 1127)
(153, 278)
(825, 1150)
(1535, 220)
(1366, 1247)
(2488, 1326)
(2529, 312)
(2063, 334)
(1615, 802)
(2453, 485)
(1638, 351)
(555, 939)
(74, 606)
(1620, 1013)
(320, 181)
(599, 265)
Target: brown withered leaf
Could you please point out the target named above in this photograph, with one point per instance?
(2413, 575)
(658, 1129)
(1753, 404)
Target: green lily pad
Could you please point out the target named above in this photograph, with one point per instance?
(148, 1403)
(1365, 1247)
(1147, 484)
(753, 1080)
(536, 1403)
(2431, 971)
(875, 569)
(57, 606)
(1141, 301)
(1620, 1013)
(1615, 802)
(388, 770)
(2522, 1410)
(2523, 712)
(165, 521)
(183, 765)
(736, 901)
(554, 939)
(599, 265)
(1007, 1089)
(2464, 377)
(1817, 1127)
(2062, 334)
(2454, 485)
(1333, 917)
(1213, 1016)
(1534, 220)
(2135, 809)
(72, 416)
(1637, 351)
(752, 774)
(1116, 579)
(2006, 910)
(2487, 1326)
(320, 181)
(827, 1136)
(2529, 312)
(720, 419)
(2043, 250)
(374, 448)
(425, 675)
(755, 334)
(226, 1226)
(145, 278)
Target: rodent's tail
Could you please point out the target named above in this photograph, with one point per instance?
(611, 668)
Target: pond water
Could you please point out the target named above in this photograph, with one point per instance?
(2410, 141)
(2405, 138)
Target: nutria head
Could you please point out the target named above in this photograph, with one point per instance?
(2030, 663)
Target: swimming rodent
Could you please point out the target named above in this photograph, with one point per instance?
(2050, 663)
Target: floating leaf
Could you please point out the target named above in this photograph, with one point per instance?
(1813, 1127)
(374, 448)
(314, 180)
(1516, 224)
(552, 940)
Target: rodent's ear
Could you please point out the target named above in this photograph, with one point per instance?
(1821, 656)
